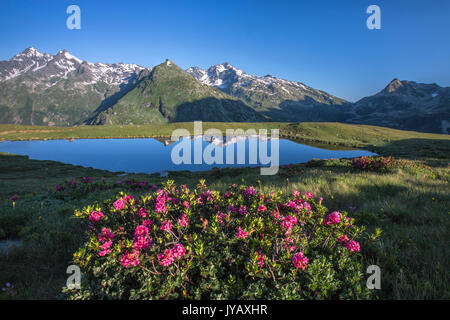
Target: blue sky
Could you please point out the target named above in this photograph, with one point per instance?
(324, 44)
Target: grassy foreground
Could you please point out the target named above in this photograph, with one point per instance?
(409, 205)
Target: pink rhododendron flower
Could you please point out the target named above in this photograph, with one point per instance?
(220, 216)
(186, 204)
(183, 221)
(95, 216)
(352, 246)
(119, 204)
(166, 226)
(166, 258)
(128, 198)
(288, 222)
(260, 259)
(287, 244)
(169, 255)
(130, 259)
(178, 251)
(104, 252)
(161, 199)
(309, 195)
(295, 194)
(343, 239)
(141, 242)
(332, 218)
(140, 231)
(300, 261)
(142, 213)
(250, 191)
(241, 234)
(105, 235)
(147, 223)
(262, 208)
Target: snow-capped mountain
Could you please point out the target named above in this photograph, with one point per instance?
(63, 65)
(60, 89)
(38, 88)
(261, 92)
(28, 60)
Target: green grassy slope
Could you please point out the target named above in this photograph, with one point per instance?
(169, 94)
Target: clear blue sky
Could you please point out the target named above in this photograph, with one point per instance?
(324, 44)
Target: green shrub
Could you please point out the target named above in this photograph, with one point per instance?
(177, 243)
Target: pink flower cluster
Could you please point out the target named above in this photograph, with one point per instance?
(130, 259)
(351, 245)
(250, 191)
(241, 234)
(105, 238)
(262, 208)
(170, 255)
(260, 259)
(288, 222)
(300, 261)
(161, 199)
(332, 218)
(183, 221)
(141, 238)
(119, 204)
(95, 216)
(142, 213)
(166, 225)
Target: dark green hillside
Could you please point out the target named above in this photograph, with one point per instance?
(169, 94)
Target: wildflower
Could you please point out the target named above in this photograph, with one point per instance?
(288, 222)
(186, 204)
(166, 258)
(178, 251)
(161, 199)
(147, 223)
(287, 244)
(262, 208)
(119, 204)
(332, 218)
(128, 198)
(300, 261)
(243, 210)
(309, 195)
(295, 194)
(58, 187)
(352, 246)
(141, 231)
(220, 216)
(169, 255)
(260, 259)
(343, 239)
(130, 259)
(249, 192)
(141, 242)
(105, 235)
(95, 216)
(166, 226)
(142, 213)
(241, 234)
(183, 221)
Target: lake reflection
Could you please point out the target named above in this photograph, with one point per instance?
(150, 155)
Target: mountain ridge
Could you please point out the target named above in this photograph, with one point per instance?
(39, 88)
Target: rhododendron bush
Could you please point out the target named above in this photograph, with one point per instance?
(177, 243)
